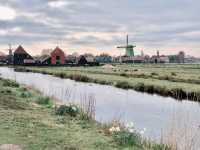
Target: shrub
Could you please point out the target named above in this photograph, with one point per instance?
(123, 85)
(81, 78)
(61, 75)
(126, 70)
(71, 110)
(124, 75)
(10, 83)
(125, 138)
(44, 101)
(140, 87)
(154, 74)
(173, 73)
(25, 95)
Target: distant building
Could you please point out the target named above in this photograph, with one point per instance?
(70, 59)
(44, 60)
(90, 58)
(179, 58)
(21, 57)
(86, 60)
(52, 57)
(57, 57)
(116, 59)
(164, 59)
(191, 59)
(159, 58)
(103, 58)
(82, 60)
(138, 59)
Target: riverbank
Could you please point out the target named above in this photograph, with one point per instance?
(30, 121)
(177, 81)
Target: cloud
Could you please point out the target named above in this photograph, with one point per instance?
(155, 24)
(7, 13)
(57, 3)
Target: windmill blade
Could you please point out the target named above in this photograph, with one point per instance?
(121, 46)
(129, 46)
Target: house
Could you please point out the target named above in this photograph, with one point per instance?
(103, 58)
(57, 57)
(164, 59)
(44, 60)
(70, 59)
(179, 58)
(81, 61)
(21, 57)
(138, 59)
(52, 57)
(89, 57)
(87, 60)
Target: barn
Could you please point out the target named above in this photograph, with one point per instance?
(21, 57)
(57, 57)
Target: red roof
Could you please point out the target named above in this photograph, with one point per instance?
(20, 50)
(57, 50)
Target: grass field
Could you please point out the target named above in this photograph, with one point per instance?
(28, 120)
(178, 81)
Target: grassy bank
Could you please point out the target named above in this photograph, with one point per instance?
(32, 122)
(177, 81)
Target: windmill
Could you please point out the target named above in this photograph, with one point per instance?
(128, 48)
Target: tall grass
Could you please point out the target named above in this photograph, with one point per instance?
(88, 106)
(181, 135)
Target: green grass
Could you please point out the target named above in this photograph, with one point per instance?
(26, 121)
(178, 81)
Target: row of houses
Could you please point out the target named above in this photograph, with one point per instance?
(58, 57)
(179, 58)
(54, 57)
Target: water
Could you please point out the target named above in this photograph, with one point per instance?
(155, 113)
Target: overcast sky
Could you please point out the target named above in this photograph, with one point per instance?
(100, 25)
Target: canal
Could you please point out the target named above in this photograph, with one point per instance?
(154, 113)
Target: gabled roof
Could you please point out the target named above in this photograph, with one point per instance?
(20, 50)
(56, 50)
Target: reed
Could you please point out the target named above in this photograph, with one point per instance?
(88, 107)
(181, 135)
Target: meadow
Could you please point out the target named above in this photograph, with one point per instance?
(177, 81)
(30, 121)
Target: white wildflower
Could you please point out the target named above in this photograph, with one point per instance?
(74, 108)
(130, 125)
(117, 129)
(142, 131)
(131, 130)
(114, 129)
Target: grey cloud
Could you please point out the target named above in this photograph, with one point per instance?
(148, 22)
